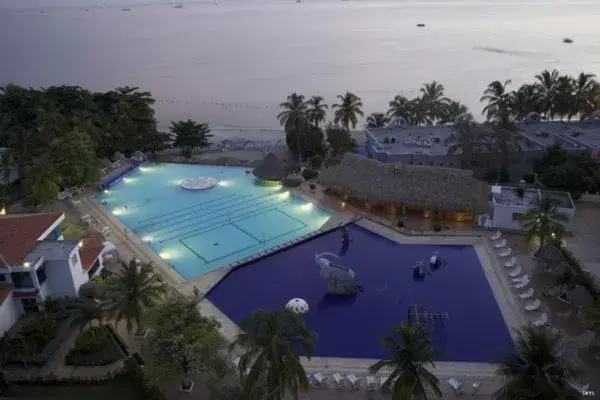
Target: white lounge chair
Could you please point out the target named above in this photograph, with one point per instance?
(456, 385)
(354, 381)
(520, 278)
(371, 383)
(511, 263)
(76, 203)
(516, 272)
(475, 387)
(523, 284)
(339, 380)
(319, 379)
(506, 252)
(526, 294)
(500, 244)
(383, 380)
(534, 305)
(542, 320)
(497, 235)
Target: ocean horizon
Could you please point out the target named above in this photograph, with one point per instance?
(231, 62)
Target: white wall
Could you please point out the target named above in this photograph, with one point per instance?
(80, 276)
(59, 279)
(10, 311)
(503, 217)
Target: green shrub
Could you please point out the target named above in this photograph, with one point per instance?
(91, 340)
(145, 389)
(186, 152)
(316, 161)
(38, 332)
(309, 174)
(291, 182)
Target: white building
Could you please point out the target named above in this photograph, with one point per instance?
(508, 205)
(36, 263)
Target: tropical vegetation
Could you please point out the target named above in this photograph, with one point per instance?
(268, 342)
(538, 370)
(409, 350)
(189, 135)
(544, 222)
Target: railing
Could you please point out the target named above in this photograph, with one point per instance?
(106, 182)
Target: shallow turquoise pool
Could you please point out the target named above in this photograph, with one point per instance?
(199, 231)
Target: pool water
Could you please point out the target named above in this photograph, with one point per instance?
(465, 320)
(199, 231)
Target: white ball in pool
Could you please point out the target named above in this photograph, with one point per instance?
(298, 306)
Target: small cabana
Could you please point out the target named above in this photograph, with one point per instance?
(391, 188)
(270, 171)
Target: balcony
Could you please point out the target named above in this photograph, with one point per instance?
(22, 280)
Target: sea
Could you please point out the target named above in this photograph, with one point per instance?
(231, 62)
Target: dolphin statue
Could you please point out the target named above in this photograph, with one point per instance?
(329, 270)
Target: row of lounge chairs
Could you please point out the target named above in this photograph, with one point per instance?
(519, 279)
(68, 193)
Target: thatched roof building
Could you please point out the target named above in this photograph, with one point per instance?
(414, 186)
(271, 168)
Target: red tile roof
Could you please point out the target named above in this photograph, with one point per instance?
(89, 252)
(19, 233)
(5, 290)
(30, 294)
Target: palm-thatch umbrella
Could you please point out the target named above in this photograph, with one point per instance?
(414, 186)
(271, 168)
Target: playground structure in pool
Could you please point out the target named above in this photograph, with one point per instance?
(342, 281)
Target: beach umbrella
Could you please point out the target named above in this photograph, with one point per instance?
(298, 306)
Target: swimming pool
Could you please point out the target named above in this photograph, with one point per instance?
(199, 231)
(351, 326)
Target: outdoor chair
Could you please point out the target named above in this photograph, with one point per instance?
(500, 244)
(371, 383)
(526, 294)
(319, 379)
(338, 379)
(520, 278)
(497, 235)
(506, 252)
(516, 272)
(511, 263)
(522, 284)
(533, 306)
(456, 385)
(354, 381)
(542, 320)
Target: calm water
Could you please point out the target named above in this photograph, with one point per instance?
(199, 231)
(230, 62)
(350, 326)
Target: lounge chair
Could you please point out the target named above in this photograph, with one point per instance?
(516, 272)
(319, 379)
(76, 203)
(497, 235)
(520, 278)
(526, 294)
(506, 252)
(354, 381)
(339, 380)
(500, 244)
(511, 263)
(456, 385)
(523, 284)
(475, 387)
(533, 306)
(542, 320)
(371, 383)
(383, 380)
(579, 387)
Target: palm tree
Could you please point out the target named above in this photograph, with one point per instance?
(433, 101)
(400, 107)
(537, 371)
(469, 139)
(544, 221)
(268, 339)
(564, 100)
(505, 138)
(526, 100)
(132, 291)
(587, 90)
(294, 115)
(348, 110)
(454, 109)
(409, 349)
(498, 99)
(547, 81)
(376, 120)
(316, 110)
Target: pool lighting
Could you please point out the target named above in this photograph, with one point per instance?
(144, 169)
(225, 183)
(119, 211)
(127, 180)
(164, 255)
(147, 238)
(106, 191)
(284, 195)
(306, 207)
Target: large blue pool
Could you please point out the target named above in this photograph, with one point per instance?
(199, 231)
(351, 326)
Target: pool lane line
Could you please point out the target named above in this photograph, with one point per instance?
(199, 213)
(219, 218)
(208, 202)
(242, 249)
(260, 240)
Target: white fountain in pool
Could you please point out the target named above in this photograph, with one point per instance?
(198, 183)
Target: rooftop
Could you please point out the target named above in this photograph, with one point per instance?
(510, 196)
(52, 250)
(20, 232)
(426, 140)
(90, 250)
(574, 135)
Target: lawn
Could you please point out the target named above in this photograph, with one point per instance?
(120, 388)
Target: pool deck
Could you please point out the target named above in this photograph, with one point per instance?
(130, 246)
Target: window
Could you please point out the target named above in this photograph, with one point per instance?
(55, 234)
(22, 280)
(41, 274)
(2, 278)
(94, 268)
(74, 259)
(516, 216)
